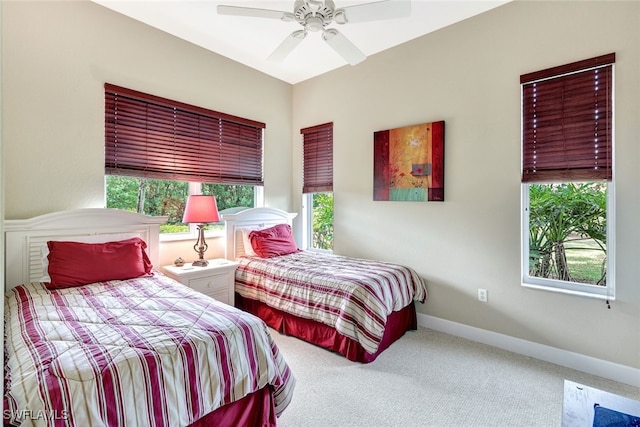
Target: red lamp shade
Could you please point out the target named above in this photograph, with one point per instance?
(201, 209)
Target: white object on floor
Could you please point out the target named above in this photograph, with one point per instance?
(577, 407)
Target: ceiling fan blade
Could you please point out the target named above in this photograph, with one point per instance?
(387, 9)
(254, 12)
(343, 46)
(287, 46)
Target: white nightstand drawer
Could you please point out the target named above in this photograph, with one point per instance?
(221, 295)
(209, 284)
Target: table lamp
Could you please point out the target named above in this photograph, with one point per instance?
(201, 210)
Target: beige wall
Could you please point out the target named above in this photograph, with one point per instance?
(58, 55)
(468, 76)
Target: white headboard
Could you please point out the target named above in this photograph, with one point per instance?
(250, 218)
(25, 238)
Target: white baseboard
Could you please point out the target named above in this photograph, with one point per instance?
(568, 359)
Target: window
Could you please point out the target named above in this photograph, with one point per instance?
(317, 187)
(157, 197)
(158, 151)
(567, 178)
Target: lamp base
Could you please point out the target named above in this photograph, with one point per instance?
(200, 263)
(200, 247)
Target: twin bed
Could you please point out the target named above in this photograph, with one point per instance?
(81, 349)
(110, 341)
(354, 307)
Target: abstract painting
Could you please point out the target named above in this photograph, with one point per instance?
(408, 163)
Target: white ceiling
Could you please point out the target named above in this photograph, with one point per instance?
(251, 40)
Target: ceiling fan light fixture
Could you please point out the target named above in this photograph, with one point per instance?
(314, 24)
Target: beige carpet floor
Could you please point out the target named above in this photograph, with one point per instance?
(428, 378)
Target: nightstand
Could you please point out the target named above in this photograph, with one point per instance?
(216, 280)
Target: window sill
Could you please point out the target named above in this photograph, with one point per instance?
(180, 237)
(600, 296)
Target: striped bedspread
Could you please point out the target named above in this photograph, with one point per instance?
(354, 296)
(141, 352)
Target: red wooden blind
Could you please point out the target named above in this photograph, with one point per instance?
(317, 158)
(154, 137)
(567, 118)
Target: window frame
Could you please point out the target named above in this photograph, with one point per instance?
(307, 221)
(574, 288)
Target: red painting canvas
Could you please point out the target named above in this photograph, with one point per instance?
(408, 163)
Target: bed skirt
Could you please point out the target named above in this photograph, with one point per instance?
(327, 337)
(255, 409)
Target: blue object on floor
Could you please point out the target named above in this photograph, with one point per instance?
(605, 417)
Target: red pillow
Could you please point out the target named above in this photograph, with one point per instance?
(74, 264)
(274, 241)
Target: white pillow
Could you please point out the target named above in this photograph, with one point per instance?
(246, 242)
(94, 238)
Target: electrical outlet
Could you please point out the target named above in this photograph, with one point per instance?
(483, 294)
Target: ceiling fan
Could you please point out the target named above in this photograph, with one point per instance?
(316, 15)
